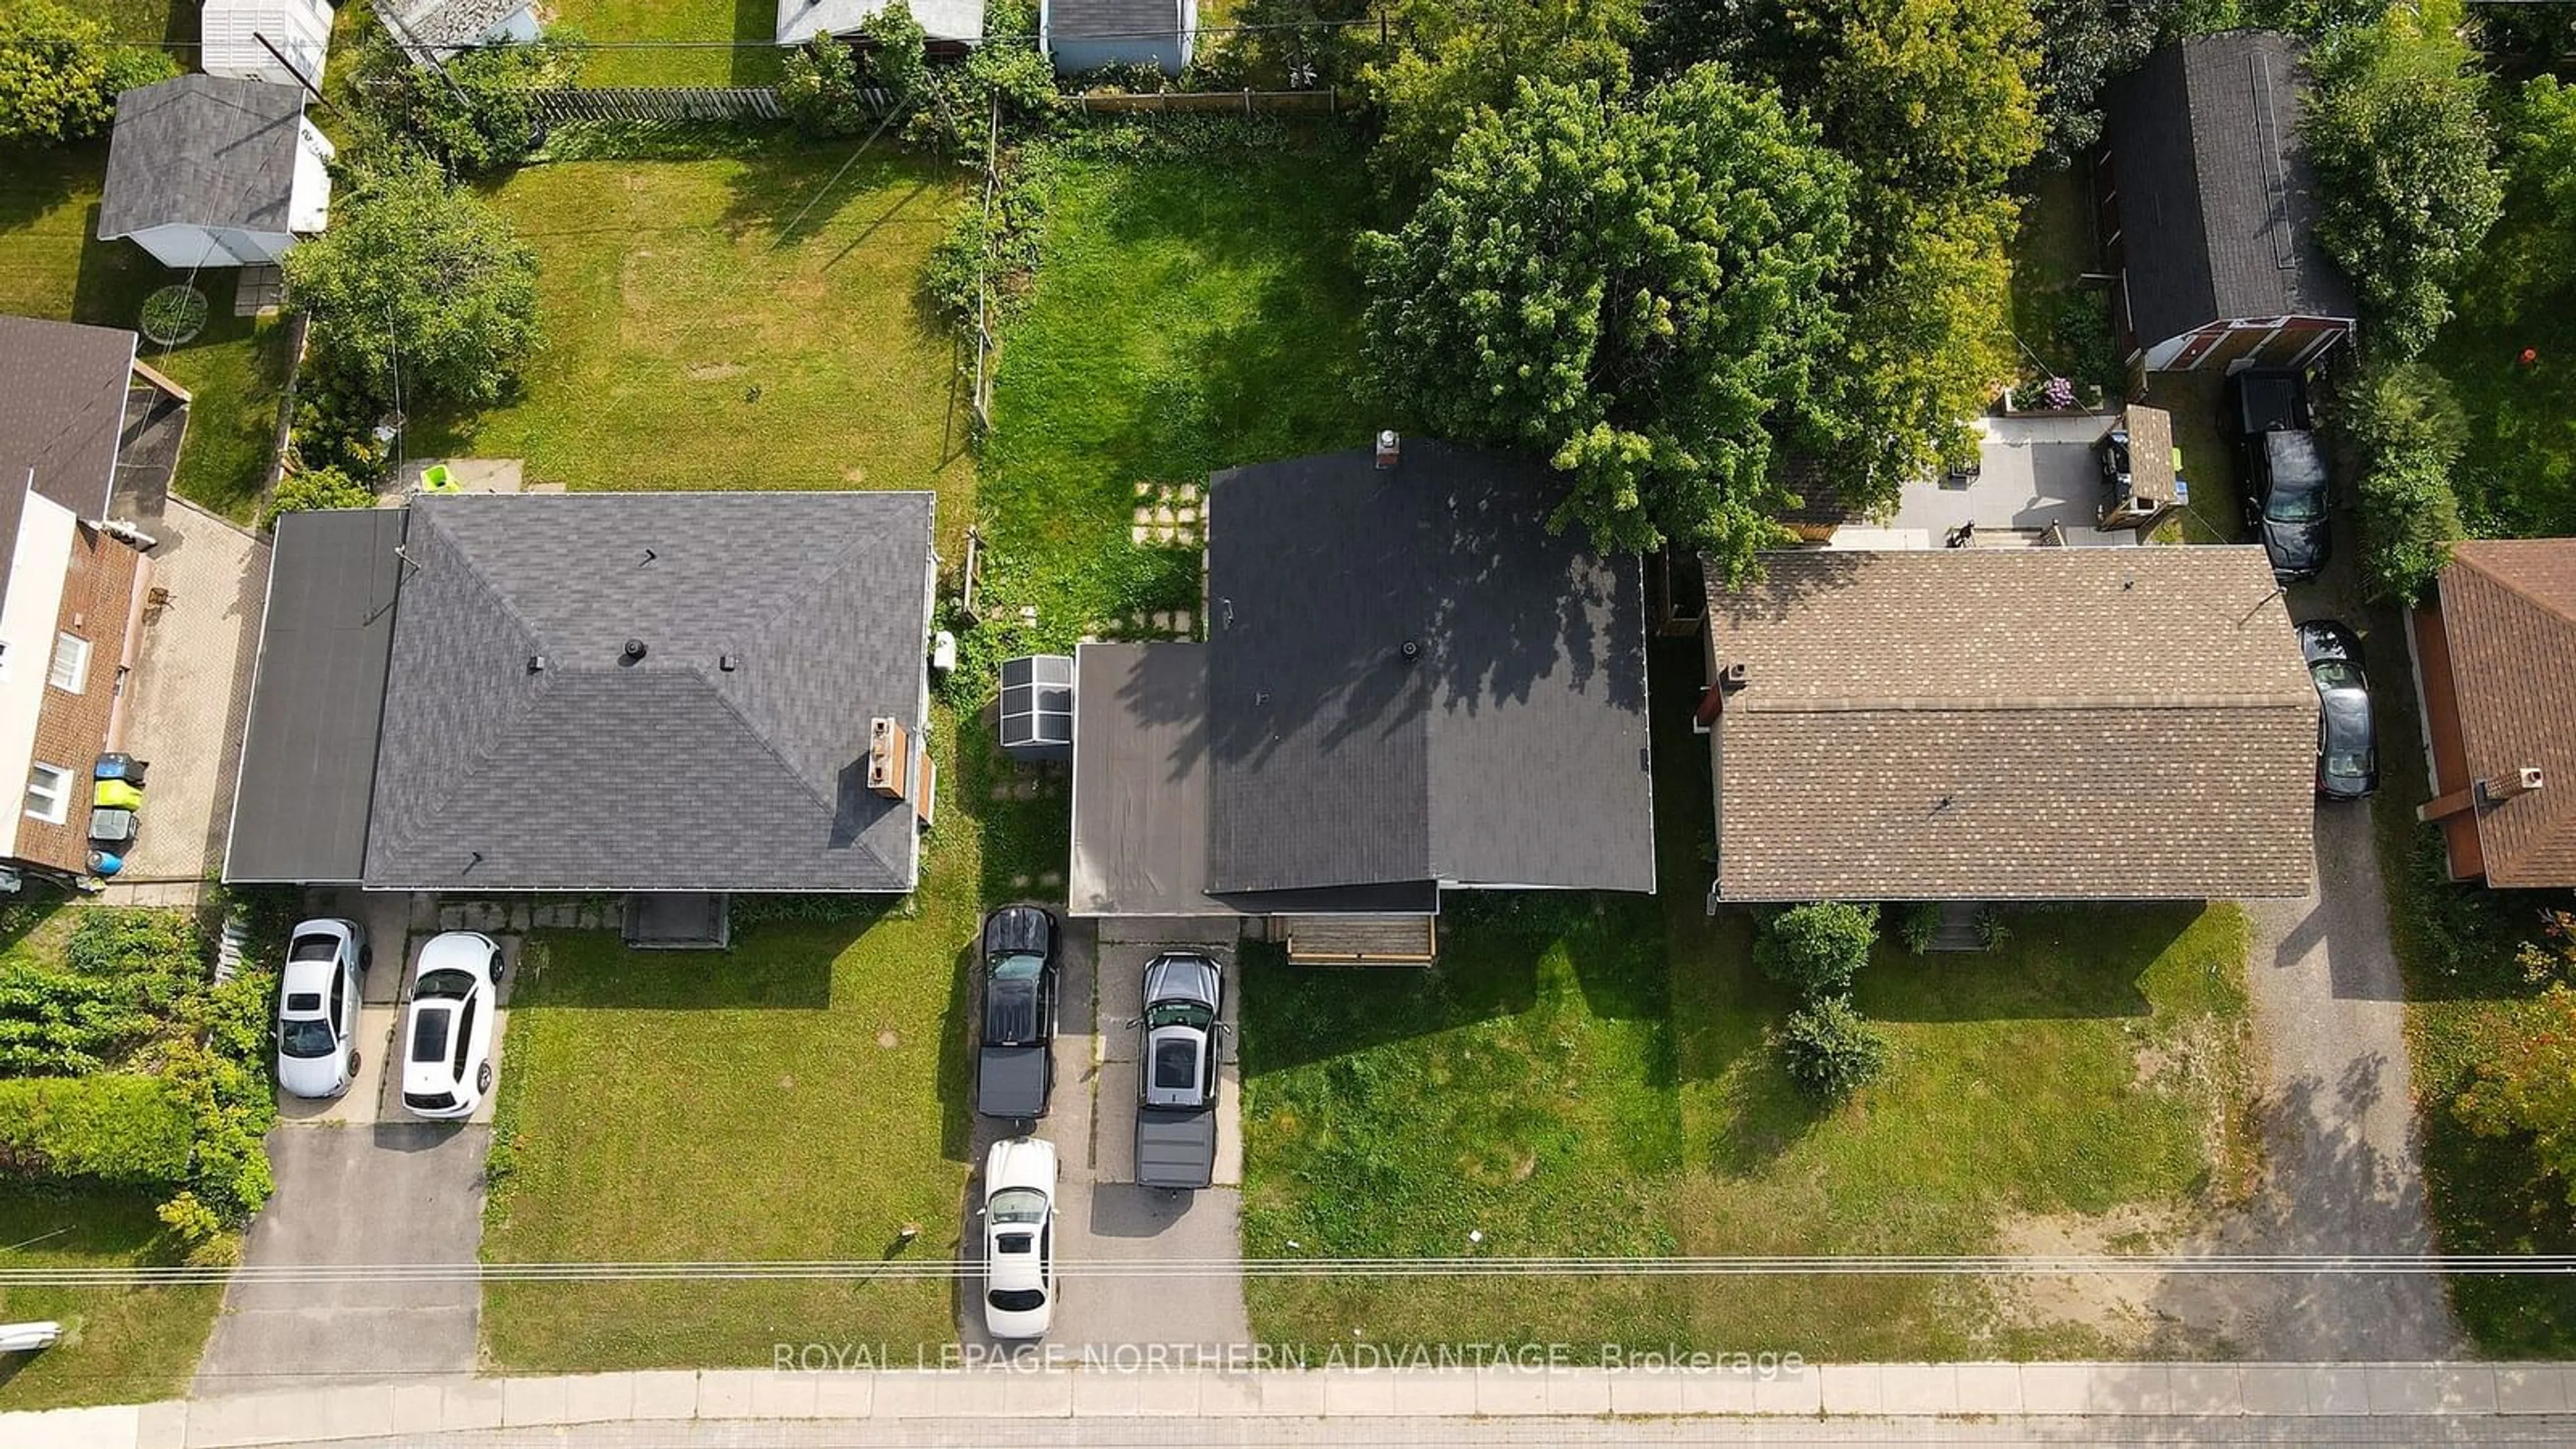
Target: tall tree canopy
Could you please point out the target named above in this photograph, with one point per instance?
(1457, 56)
(1635, 288)
(2405, 163)
(60, 74)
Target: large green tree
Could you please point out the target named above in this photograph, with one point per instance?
(1459, 56)
(418, 287)
(61, 72)
(2405, 163)
(1636, 289)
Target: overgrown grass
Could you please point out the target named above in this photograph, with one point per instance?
(120, 1345)
(52, 265)
(2056, 315)
(1189, 315)
(694, 341)
(1589, 1077)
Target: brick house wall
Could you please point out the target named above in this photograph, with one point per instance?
(102, 603)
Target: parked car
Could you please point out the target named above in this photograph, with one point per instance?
(1176, 1073)
(1014, 1069)
(1019, 1238)
(2347, 746)
(447, 1038)
(2285, 470)
(317, 1007)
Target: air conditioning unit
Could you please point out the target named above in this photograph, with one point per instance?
(889, 757)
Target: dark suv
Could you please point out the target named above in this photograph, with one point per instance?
(2285, 470)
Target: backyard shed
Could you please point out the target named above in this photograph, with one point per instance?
(1081, 35)
(2208, 210)
(231, 31)
(952, 27)
(206, 171)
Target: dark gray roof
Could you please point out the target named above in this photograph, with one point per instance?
(1112, 19)
(2217, 203)
(447, 23)
(309, 750)
(62, 408)
(671, 773)
(1140, 781)
(202, 150)
(1511, 751)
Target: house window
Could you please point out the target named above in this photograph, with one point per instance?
(49, 793)
(71, 663)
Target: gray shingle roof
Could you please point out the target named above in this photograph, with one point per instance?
(202, 150)
(62, 407)
(2217, 204)
(2013, 724)
(1511, 751)
(671, 773)
(1112, 19)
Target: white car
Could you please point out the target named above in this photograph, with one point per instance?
(1019, 1238)
(317, 1007)
(447, 1038)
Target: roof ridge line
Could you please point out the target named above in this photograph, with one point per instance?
(2511, 584)
(767, 745)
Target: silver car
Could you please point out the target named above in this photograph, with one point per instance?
(317, 1007)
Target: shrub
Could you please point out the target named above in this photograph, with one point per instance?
(898, 53)
(1817, 948)
(2407, 426)
(61, 72)
(227, 1089)
(1992, 929)
(112, 1127)
(123, 983)
(1917, 922)
(335, 425)
(820, 91)
(1830, 1051)
(316, 489)
(480, 117)
(1003, 250)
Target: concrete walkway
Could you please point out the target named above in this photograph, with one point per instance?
(2393, 1404)
(2342, 1174)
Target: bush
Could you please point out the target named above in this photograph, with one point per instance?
(1830, 1051)
(1003, 250)
(112, 1127)
(1917, 922)
(2408, 429)
(317, 489)
(1817, 948)
(61, 72)
(229, 1094)
(820, 91)
(492, 123)
(898, 57)
(335, 425)
(123, 984)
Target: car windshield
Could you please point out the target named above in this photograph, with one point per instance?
(1018, 966)
(1017, 1205)
(2296, 501)
(1176, 1065)
(2337, 674)
(2342, 763)
(1192, 1014)
(451, 985)
(308, 1038)
(1017, 1300)
(313, 948)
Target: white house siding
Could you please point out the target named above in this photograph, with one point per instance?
(308, 198)
(27, 620)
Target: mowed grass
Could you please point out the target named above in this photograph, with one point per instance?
(800, 1096)
(1189, 315)
(752, 25)
(119, 1345)
(1590, 1077)
(694, 342)
(52, 266)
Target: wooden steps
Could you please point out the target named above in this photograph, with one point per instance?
(1361, 940)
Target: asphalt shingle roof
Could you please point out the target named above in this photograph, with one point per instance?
(202, 150)
(1111, 19)
(1512, 750)
(62, 408)
(2509, 614)
(670, 773)
(2013, 724)
(2217, 203)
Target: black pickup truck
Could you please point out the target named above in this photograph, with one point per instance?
(1014, 1068)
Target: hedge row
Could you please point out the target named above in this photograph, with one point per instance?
(115, 1128)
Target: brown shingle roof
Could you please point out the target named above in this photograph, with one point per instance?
(2509, 614)
(2026, 724)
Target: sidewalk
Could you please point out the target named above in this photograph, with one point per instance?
(2196, 1392)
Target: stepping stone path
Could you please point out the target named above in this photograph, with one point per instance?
(1169, 515)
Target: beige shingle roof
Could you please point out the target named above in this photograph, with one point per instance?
(2024, 724)
(2509, 613)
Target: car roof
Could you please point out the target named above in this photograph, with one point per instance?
(307, 976)
(455, 951)
(1020, 1162)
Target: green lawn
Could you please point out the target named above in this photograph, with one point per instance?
(799, 1097)
(1188, 316)
(120, 1345)
(51, 265)
(752, 24)
(1588, 1077)
(690, 345)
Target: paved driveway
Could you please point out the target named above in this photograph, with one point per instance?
(1101, 1215)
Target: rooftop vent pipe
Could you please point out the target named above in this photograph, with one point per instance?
(634, 651)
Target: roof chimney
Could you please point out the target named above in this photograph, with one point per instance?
(634, 650)
(1389, 446)
(2498, 789)
(1734, 677)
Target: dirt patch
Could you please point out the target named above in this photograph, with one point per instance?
(888, 1040)
(2145, 1313)
(712, 371)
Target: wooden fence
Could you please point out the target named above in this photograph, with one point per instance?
(673, 103)
(1240, 103)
